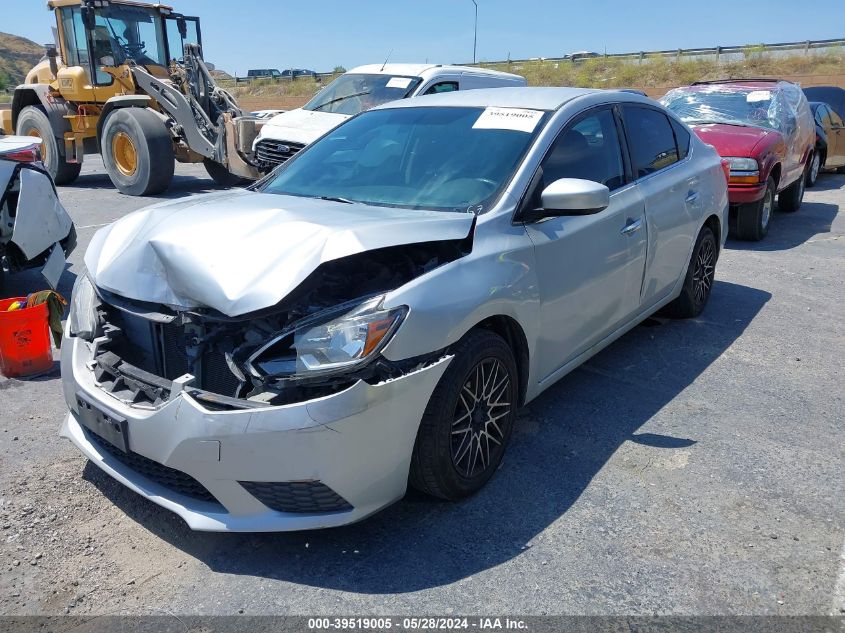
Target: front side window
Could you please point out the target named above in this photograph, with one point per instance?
(354, 93)
(74, 36)
(650, 139)
(590, 150)
(125, 34)
(444, 158)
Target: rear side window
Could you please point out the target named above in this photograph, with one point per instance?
(443, 86)
(651, 140)
(682, 139)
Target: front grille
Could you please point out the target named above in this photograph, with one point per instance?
(272, 153)
(170, 478)
(305, 497)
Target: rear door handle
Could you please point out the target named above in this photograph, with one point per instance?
(632, 227)
(692, 196)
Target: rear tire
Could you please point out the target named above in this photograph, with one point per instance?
(137, 151)
(221, 175)
(790, 199)
(33, 121)
(468, 421)
(753, 219)
(813, 169)
(698, 282)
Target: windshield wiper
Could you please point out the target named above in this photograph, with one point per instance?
(328, 103)
(336, 199)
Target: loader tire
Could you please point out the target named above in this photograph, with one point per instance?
(137, 151)
(33, 121)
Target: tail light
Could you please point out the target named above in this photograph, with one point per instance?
(31, 154)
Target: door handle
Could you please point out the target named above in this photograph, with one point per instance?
(632, 227)
(692, 196)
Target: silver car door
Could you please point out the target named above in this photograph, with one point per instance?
(673, 191)
(590, 267)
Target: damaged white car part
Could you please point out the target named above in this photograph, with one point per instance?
(374, 312)
(35, 229)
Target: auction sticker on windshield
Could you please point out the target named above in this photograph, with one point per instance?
(517, 119)
(758, 95)
(398, 82)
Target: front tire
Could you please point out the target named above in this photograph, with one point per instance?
(790, 199)
(753, 219)
(813, 169)
(221, 175)
(698, 282)
(137, 151)
(33, 121)
(469, 418)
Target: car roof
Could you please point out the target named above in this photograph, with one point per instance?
(751, 84)
(522, 97)
(416, 70)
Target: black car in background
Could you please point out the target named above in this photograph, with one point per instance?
(831, 95)
(830, 141)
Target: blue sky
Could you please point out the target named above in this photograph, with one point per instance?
(320, 34)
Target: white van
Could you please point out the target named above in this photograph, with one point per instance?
(360, 89)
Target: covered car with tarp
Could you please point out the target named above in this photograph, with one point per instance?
(765, 130)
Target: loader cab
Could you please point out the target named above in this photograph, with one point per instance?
(103, 38)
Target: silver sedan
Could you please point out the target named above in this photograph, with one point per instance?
(374, 312)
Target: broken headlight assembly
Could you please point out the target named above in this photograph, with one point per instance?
(334, 341)
(83, 319)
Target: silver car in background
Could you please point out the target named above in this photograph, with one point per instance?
(375, 312)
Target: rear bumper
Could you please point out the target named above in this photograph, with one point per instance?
(357, 443)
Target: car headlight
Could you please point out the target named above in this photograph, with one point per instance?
(742, 164)
(82, 319)
(332, 341)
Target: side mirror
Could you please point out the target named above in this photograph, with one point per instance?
(570, 196)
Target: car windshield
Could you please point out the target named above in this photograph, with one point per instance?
(439, 158)
(130, 34)
(726, 104)
(354, 93)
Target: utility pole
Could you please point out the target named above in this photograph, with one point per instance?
(475, 34)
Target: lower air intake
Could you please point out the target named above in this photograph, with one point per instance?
(303, 497)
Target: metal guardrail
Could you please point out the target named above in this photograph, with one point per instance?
(720, 53)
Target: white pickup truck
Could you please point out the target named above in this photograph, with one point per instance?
(360, 89)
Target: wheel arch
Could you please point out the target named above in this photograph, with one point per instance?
(715, 225)
(54, 107)
(511, 331)
(774, 172)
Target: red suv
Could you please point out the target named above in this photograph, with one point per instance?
(765, 130)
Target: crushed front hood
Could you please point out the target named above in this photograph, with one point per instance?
(241, 251)
(300, 126)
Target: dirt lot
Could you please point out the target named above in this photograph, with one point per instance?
(690, 468)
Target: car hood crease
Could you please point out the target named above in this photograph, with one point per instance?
(238, 252)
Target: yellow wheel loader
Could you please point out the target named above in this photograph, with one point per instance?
(127, 80)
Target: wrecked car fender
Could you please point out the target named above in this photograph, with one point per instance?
(32, 219)
(450, 300)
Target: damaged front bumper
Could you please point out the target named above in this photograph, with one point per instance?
(320, 463)
(35, 229)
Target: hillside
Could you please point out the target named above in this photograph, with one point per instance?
(17, 56)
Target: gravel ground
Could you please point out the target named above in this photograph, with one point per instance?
(690, 468)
